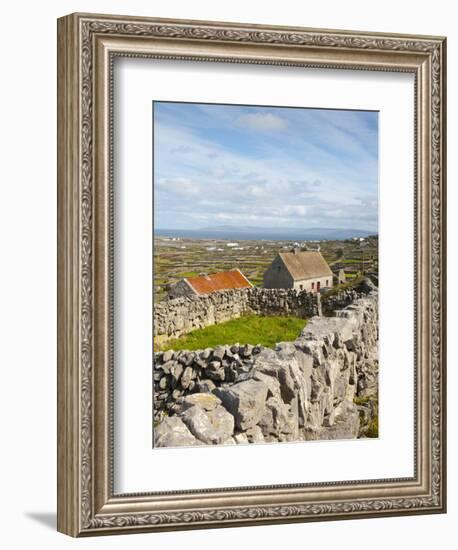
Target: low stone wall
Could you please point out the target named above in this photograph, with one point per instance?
(173, 318)
(180, 373)
(279, 301)
(340, 300)
(336, 301)
(302, 390)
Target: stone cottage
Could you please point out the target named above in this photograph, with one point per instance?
(206, 284)
(301, 270)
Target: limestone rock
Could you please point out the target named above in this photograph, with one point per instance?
(255, 435)
(235, 348)
(167, 356)
(186, 359)
(278, 419)
(176, 394)
(205, 386)
(345, 424)
(211, 427)
(166, 366)
(247, 350)
(176, 371)
(241, 438)
(327, 329)
(219, 353)
(163, 383)
(206, 401)
(172, 432)
(157, 375)
(186, 378)
(245, 401)
(270, 381)
(293, 384)
(215, 371)
(206, 353)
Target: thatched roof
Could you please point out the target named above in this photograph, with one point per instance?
(305, 264)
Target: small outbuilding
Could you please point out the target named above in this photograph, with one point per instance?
(206, 284)
(341, 277)
(299, 269)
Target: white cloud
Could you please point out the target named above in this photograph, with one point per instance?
(203, 179)
(183, 186)
(262, 122)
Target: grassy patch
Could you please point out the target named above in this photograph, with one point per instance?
(373, 427)
(362, 400)
(252, 329)
(187, 274)
(370, 428)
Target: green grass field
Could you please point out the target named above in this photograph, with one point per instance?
(252, 329)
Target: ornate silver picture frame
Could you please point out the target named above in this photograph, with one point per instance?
(88, 44)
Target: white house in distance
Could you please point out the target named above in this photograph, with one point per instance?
(301, 270)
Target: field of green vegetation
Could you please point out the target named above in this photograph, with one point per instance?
(251, 329)
(174, 259)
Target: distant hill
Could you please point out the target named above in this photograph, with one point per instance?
(274, 233)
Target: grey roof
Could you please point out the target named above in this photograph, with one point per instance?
(305, 264)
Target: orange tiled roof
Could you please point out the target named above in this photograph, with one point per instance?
(224, 280)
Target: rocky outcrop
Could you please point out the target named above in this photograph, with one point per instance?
(172, 432)
(245, 401)
(301, 390)
(207, 421)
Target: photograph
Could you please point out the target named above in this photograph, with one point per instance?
(265, 274)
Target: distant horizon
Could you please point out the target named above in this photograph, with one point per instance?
(264, 167)
(272, 234)
(259, 228)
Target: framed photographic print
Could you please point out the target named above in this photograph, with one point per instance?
(251, 274)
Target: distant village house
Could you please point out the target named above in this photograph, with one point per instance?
(301, 270)
(206, 284)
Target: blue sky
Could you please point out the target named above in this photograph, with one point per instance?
(264, 167)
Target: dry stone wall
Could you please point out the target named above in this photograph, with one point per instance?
(300, 390)
(180, 373)
(335, 301)
(178, 316)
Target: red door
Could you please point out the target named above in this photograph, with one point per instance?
(318, 286)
